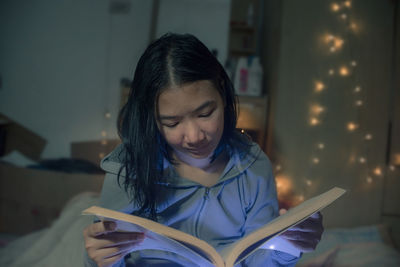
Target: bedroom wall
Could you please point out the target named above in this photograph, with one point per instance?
(304, 57)
(61, 62)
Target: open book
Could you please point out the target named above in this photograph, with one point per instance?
(161, 237)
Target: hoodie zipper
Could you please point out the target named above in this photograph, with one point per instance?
(205, 198)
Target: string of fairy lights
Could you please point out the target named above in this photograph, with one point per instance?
(335, 44)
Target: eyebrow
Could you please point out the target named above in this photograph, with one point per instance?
(201, 107)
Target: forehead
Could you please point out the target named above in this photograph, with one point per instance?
(187, 97)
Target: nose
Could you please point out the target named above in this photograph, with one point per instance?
(193, 135)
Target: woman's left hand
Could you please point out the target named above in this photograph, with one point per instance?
(306, 235)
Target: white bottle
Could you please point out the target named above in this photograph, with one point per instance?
(241, 76)
(254, 84)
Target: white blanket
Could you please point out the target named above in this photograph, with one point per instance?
(59, 245)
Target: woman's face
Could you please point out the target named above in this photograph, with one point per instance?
(191, 118)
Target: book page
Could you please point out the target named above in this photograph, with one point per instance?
(161, 237)
(241, 249)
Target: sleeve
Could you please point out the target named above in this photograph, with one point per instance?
(262, 207)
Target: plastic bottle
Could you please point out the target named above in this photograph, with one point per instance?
(241, 76)
(254, 84)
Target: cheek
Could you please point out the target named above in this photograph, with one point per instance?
(172, 137)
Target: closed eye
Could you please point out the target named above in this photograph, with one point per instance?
(170, 125)
(208, 114)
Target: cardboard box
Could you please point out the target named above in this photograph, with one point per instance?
(93, 151)
(14, 136)
(31, 199)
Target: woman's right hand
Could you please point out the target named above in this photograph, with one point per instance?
(106, 246)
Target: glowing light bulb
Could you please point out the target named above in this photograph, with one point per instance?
(317, 109)
(362, 160)
(335, 7)
(347, 3)
(357, 89)
(314, 121)
(378, 171)
(354, 27)
(272, 247)
(396, 159)
(319, 86)
(359, 103)
(368, 137)
(104, 142)
(315, 160)
(103, 133)
(329, 38)
(331, 72)
(242, 131)
(338, 43)
(321, 146)
(344, 71)
(351, 126)
(369, 179)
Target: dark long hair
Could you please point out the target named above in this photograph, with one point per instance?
(173, 59)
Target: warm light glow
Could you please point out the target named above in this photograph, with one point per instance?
(354, 63)
(335, 7)
(329, 38)
(338, 43)
(332, 49)
(351, 126)
(314, 121)
(308, 182)
(331, 72)
(357, 89)
(359, 103)
(104, 142)
(354, 27)
(316, 109)
(283, 184)
(369, 179)
(315, 160)
(396, 159)
(347, 3)
(300, 198)
(101, 155)
(378, 171)
(319, 86)
(368, 137)
(242, 131)
(344, 71)
(362, 160)
(103, 133)
(321, 146)
(344, 16)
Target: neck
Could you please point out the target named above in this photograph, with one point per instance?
(202, 163)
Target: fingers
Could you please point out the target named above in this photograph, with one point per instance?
(118, 238)
(100, 228)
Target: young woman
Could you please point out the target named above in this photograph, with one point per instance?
(183, 164)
